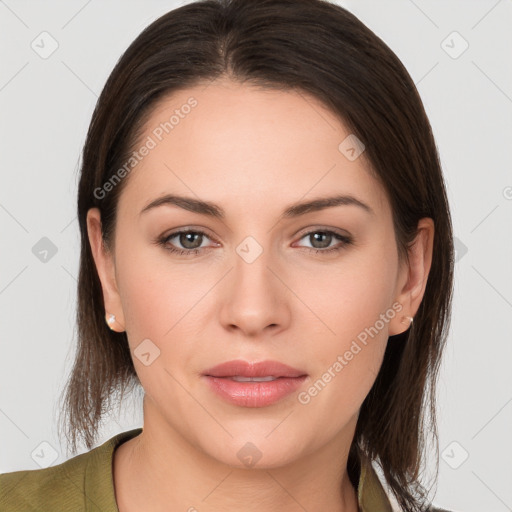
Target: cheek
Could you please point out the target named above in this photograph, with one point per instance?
(350, 295)
(353, 309)
(159, 298)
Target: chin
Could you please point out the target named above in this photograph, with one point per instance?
(254, 451)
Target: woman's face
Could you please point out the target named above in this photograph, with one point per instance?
(254, 280)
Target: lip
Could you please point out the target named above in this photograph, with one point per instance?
(253, 369)
(254, 394)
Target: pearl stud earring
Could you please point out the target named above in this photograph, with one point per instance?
(110, 320)
(408, 318)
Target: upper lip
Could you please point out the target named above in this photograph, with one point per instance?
(253, 369)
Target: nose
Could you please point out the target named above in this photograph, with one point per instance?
(255, 300)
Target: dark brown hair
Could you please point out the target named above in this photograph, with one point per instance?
(321, 49)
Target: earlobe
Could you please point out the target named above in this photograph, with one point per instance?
(413, 280)
(105, 267)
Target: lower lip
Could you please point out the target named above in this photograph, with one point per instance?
(254, 394)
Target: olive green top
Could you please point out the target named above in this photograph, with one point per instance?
(85, 483)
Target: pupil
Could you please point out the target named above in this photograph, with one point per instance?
(185, 240)
(323, 244)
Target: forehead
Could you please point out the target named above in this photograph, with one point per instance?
(226, 140)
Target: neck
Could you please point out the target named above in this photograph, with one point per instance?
(160, 470)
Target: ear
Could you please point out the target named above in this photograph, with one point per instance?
(105, 266)
(413, 276)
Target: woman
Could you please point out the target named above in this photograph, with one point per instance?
(267, 251)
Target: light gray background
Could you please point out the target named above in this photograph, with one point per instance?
(46, 105)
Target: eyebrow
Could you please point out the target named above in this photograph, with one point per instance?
(295, 210)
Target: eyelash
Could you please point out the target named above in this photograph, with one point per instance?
(164, 242)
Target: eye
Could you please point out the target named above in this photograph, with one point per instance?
(321, 241)
(190, 240)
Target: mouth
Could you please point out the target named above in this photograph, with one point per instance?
(240, 378)
(254, 370)
(256, 384)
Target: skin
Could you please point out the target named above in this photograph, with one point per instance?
(253, 152)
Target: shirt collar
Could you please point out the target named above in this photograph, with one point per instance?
(370, 492)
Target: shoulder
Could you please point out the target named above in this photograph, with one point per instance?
(375, 497)
(56, 486)
(81, 483)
